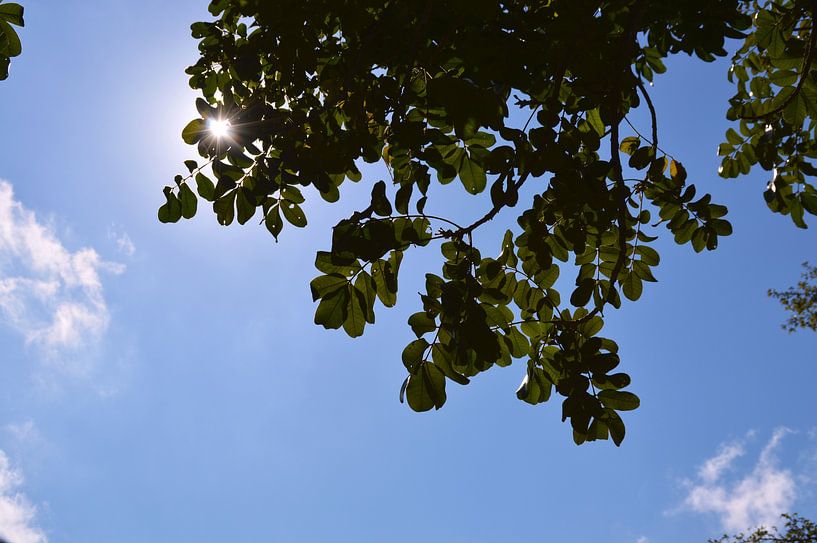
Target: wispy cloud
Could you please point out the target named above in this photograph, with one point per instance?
(49, 294)
(742, 503)
(123, 241)
(17, 514)
(24, 435)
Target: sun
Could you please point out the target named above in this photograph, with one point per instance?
(219, 128)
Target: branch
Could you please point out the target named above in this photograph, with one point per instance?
(461, 232)
(653, 115)
(621, 188)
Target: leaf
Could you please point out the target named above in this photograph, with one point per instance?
(485, 140)
(324, 285)
(632, 287)
(472, 176)
(809, 202)
(630, 145)
(380, 203)
(615, 425)
(205, 187)
(10, 46)
(194, 131)
(273, 222)
(648, 255)
(385, 279)
(413, 354)
(535, 387)
(331, 312)
(594, 120)
(293, 213)
(445, 359)
(246, 209)
(224, 208)
(422, 324)
(12, 13)
(426, 388)
(171, 211)
(355, 322)
(618, 400)
(188, 200)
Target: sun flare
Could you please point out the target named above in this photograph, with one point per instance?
(219, 128)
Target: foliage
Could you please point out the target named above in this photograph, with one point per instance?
(797, 530)
(10, 14)
(776, 106)
(801, 301)
(311, 90)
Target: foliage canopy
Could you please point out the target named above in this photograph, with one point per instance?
(797, 530)
(800, 301)
(309, 90)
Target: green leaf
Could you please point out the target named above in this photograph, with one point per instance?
(273, 222)
(413, 354)
(12, 13)
(615, 425)
(293, 213)
(426, 388)
(323, 285)
(205, 187)
(733, 137)
(630, 145)
(194, 131)
(224, 208)
(246, 209)
(380, 203)
(648, 255)
(171, 211)
(632, 286)
(331, 312)
(187, 199)
(472, 176)
(484, 140)
(594, 120)
(445, 359)
(10, 45)
(809, 201)
(385, 279)
(535, 387)
(618, 400)
(422, 324)
(355, 322)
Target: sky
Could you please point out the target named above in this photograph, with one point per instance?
(166, 383)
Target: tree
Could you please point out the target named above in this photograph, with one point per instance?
(800, 301)
(798, 530)
(296, 95)
(10, 14)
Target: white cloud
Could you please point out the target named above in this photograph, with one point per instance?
(52, 296)
(711, 470)
(642, 539)
(17, 514)
(758, 498)
(123, 242)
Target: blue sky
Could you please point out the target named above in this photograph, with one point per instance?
(166, 383)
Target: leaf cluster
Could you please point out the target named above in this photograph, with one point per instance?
(800, 301)
(775, 106)
(312, 90)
